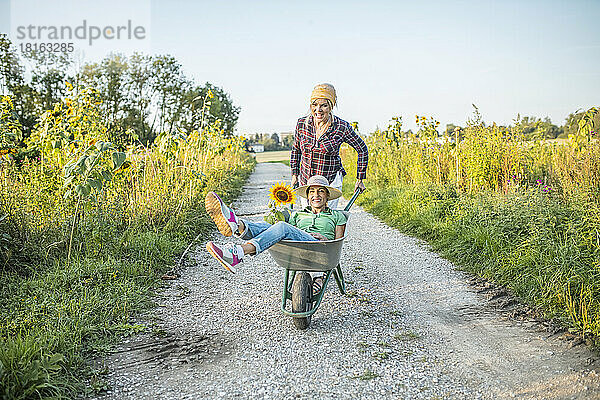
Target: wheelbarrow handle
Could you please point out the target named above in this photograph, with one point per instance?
(353, 199)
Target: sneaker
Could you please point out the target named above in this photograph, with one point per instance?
(227, 255)
(224, 217)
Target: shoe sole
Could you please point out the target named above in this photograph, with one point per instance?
(219, 259)
(213, 208)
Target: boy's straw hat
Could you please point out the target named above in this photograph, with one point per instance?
(318, 180)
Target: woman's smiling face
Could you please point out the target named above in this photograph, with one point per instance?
(320, 109)
(317, 196)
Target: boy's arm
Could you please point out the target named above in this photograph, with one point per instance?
(339, 231)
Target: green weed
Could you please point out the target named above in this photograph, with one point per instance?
(366, 376)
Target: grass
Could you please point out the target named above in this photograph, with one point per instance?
(381, 355)
(285, 162)
(56, 318)
(367, 375)
(545, 251)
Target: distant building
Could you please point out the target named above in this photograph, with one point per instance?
(285, 134)
(286, 139)
(256, 147)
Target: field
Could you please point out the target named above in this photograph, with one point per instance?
(523, 214)
(273, 156)
(87, 231)
(89, 227)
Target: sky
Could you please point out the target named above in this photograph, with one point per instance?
(385, 58)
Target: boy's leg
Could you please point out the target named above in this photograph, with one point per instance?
(251, 229)
(275, 233)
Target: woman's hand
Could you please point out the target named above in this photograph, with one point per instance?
(294, 181)
(318, 236)
(359, 185)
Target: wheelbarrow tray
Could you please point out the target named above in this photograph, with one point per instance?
(309, 256)
(312, 256)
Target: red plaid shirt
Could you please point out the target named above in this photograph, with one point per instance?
(322, 157)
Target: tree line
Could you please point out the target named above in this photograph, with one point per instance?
(141, 95)
(271, 142)
(535, 128)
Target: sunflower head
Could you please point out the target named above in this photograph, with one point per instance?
(281, 194)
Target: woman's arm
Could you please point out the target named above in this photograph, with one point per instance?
(354, 140)
(339, 231)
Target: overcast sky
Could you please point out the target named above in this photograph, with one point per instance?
(385, 58)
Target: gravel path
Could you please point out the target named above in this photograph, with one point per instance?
(411, 327)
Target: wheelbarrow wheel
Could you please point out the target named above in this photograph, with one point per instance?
(301, 298)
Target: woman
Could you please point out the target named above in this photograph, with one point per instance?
(317, 222)
(317, 141)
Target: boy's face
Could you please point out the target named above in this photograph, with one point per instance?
(317, 196)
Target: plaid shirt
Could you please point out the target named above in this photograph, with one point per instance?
(322, 157)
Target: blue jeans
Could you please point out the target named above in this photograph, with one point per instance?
(263, 235)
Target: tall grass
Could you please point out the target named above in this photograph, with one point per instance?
(87, 229)
(523, 214)
(484, 158)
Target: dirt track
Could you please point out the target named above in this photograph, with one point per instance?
(411, 327)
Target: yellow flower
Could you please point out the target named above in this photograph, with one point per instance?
(281, 194)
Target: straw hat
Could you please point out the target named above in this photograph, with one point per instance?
(318, 180)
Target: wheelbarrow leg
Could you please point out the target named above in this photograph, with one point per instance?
(287, 287)
(290, 282)
(339, 279)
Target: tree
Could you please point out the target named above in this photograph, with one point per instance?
(12, 83)
(110, 79)
(572, 123)
(288, 141)
(534, 128)
(270, 144)
(275, 138)
(141, 95)
(222, 108)
(49, 74)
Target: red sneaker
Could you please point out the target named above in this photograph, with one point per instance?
(227, 255)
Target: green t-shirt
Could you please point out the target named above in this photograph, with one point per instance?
(323, 222)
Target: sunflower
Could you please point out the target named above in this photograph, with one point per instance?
(281, 194)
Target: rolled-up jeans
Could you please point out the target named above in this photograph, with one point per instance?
(263, 235)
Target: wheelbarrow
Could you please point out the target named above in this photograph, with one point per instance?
(298, 259)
